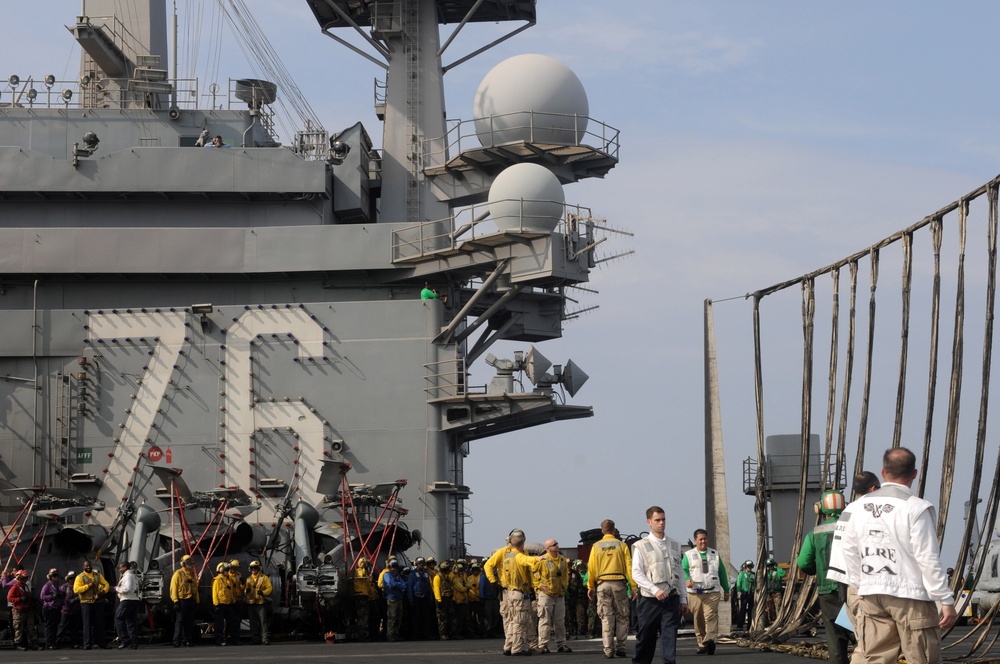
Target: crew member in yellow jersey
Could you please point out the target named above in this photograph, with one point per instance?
(258, 591)
(237, 580)
(184, 594)
(515, 577)
(461, 628)
(610, 568)
(475, 602)
(91, 586)
(444, 601)
(363, 590)
(551, 575)
(224, 600)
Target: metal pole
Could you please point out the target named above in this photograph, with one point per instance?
(173, 60)
(34, 361)
(716, 505)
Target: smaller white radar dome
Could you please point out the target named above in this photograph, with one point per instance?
(526, 197)
(532, 98)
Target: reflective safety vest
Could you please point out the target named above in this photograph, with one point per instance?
(515, 574)
(222, 590)
(442, 587)
(662, 571)
(183, 585)
(90, 586)
(704, 572)
(554, 573)
(459, 589)
(472, 581)
(258, 588)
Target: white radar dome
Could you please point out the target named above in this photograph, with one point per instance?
(526, 197)
(531, 98)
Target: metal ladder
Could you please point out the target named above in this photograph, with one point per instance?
(59, 474)
(411, 51)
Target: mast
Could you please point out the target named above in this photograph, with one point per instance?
(414, 112)
(405, 38)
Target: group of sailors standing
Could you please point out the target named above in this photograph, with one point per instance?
(879, 557)
(74, 610)
(879, 554)
(230, 592)
(460, 599)
(654, 580)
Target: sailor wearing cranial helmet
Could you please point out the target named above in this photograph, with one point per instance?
(886, 546)
(511, 568)
(814, 558)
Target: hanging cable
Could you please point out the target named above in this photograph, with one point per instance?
(904, 337)
(936, 228)
(831, 387)
(859, 459)
(848, 368)
(792, 615)
(260, 53)
(794, 601)
(955, 394)
(760, 481)
(984, 388)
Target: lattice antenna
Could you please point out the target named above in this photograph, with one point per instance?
(570, 315)
(614, 257)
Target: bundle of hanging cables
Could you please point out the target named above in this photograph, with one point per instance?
(260, 55)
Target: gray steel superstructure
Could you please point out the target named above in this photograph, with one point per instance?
(252, 316)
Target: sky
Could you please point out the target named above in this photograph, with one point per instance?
(759, 141)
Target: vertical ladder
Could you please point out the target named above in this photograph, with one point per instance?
(59, 465)
(411, 51)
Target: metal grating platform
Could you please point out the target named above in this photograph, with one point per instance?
(362, 12)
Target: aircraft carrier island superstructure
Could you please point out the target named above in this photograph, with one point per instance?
(226, 352)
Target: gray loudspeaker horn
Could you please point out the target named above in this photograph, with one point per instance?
(573, 378)
(535, 365)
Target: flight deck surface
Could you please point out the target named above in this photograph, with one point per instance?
(480, 651)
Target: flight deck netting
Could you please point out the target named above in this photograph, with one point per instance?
(904, 360)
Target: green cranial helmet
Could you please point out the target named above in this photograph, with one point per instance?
(832, 502)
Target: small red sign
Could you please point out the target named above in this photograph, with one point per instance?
(154, 454)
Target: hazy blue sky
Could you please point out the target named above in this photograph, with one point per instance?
(760, 140)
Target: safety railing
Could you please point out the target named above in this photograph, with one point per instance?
(47, 92)
(375, 164)
(378, 92)
(469, 223)
(446, 379)
(113, 28)
(528, 126)
(783, 472)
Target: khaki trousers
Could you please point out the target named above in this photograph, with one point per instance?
(551, 617)
(612, 607)
(515, 609)
(704, 609)
(891, 625)
(24, 627)
(854, 613)
(532, 625)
